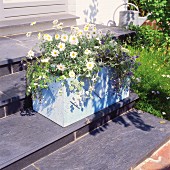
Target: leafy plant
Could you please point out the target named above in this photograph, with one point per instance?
(76, 55)
(152, 80)
(149, 39)
(160, 12)
(142, 12)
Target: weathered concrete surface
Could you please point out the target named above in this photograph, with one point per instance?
(118, 145)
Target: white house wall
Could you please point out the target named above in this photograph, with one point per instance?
(96, 11)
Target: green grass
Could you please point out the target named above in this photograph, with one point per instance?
(154, 86)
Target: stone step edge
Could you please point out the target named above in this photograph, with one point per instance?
(81, 128)
(39, 19)
(149, 154)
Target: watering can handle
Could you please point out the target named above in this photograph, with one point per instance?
(122, 5)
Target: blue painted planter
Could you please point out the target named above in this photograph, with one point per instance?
(62, 109)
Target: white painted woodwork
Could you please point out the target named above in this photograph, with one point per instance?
(18, 8)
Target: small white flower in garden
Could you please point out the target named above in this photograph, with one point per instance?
(33, 23)
(55, 53)
(64, 37)
(96, 47)
(35, 84)
(61, 46)
(57, 36)
(59, 26)
(163, 113)
(86, 28)
(46, 60)
(73, 28)
(154, 64)
(48, 37)
(99, 40)
(28, 34)
(163, 75)
(30, 54)
(73, 40)
(93, 34)
(73, 54)
(61, 67)
(87, 93)
(153, 92)
(55, 22)
(87, 51)
(167, 98)
(53, 65)
(158, 92)
(100, 32)
(125, 50)
(138, 80)
(143, 47)
(91, 88)
(168, 76)
(72, 74)
(88, 36)
(90, 65)
(80, 33)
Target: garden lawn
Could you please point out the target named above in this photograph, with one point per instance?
(152, 82)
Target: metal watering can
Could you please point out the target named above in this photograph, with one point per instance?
(128, 16)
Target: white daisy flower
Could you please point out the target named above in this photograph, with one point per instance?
(46, 60)
(30, 54)
(88, 36)
(80, 33)
(55, 53)
(64, 37)
(87, 51)
(73, 54)
(86, 28)
(48, 37)
(72, 74)
(61, 67)
(55, 22)
(61, 46)
(90, 65)
(73, 40)
(57, 36)
(59, 26)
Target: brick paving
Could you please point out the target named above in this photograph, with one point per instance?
(159, 160)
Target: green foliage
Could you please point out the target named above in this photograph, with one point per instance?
(142, 12)
(150, 39)
(152, 82)
(160, 12)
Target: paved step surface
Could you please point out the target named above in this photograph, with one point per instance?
(118, 145)
(27, 137)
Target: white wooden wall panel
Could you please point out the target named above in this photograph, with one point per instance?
(28, 8)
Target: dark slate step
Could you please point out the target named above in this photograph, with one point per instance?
(12, 26)
(12, 94)
(27, 137)
(118, 145)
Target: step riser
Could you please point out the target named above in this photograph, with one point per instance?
(22, 163)
(11, 68)
(23, 29)
(15, 106)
